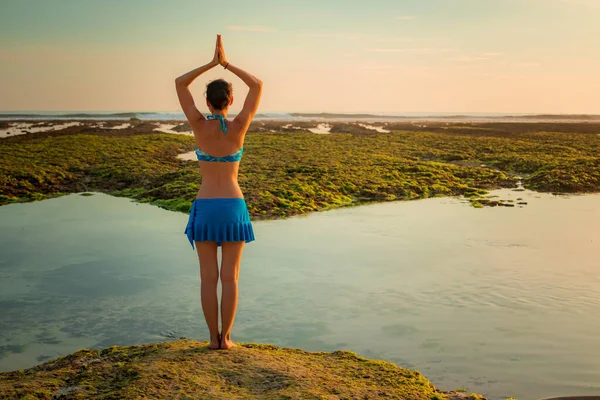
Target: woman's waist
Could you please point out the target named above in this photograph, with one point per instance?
(222, 189)
(220, 182)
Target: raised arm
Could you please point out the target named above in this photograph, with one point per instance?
(182, 83)
(253, 98)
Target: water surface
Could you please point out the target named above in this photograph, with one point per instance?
(504, 301)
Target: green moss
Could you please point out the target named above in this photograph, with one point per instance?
(476, 204)
(285, 174)
(187, 369)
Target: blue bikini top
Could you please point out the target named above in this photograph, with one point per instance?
(235, 157)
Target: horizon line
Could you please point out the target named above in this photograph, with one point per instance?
(394, 113)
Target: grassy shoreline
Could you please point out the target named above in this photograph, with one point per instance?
(292, 173)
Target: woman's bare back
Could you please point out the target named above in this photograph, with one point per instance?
(219, 179)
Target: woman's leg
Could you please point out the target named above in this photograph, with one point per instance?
(209, 277)
(230, 270)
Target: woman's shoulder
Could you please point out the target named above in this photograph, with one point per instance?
(235, 129)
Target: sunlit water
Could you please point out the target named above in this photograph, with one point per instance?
(503, 301)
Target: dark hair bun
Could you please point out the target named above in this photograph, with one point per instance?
(218, 93)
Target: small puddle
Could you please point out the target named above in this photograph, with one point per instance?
(168, 128)
(28, 127)
(189, 156)
(122, 126)
(379, 129)
(321, 129)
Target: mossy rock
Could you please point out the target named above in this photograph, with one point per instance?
(286, 174)
(188, 369)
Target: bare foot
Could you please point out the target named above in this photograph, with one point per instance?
(215, 343)
(226, 343)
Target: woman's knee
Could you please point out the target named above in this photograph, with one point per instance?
(229, 274)
(211, 277)
(209, 271)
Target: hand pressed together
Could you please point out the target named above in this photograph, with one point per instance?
(219, 57)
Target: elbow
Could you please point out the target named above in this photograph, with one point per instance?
(178, 81)
(258, 84)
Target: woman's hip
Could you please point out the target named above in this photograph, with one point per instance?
(219, 220)
(220, 209)
(221, 191)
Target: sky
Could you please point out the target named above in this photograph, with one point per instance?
(378, 56)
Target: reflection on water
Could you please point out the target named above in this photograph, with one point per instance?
(505, 301)
(321, 128)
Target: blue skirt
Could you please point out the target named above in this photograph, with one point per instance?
(219, 220)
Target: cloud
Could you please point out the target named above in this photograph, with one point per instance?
(407, 17)
(349, 36)
(528, 65)
(386, 50)
(424, 50)
(250, 28)
(394, 40)
(355, 36)
(584, 3)
(374, 67)
(468, 59)
(492, 54)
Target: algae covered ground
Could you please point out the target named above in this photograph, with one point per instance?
(289, 173)
(187, 369)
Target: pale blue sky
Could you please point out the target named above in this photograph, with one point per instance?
(332, 56)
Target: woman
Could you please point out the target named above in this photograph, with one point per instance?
(219, 215)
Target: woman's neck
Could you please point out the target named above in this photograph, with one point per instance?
(222, 113)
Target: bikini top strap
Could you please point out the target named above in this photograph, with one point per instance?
(221, 121)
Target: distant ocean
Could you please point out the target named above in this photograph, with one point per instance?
(178, 116)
